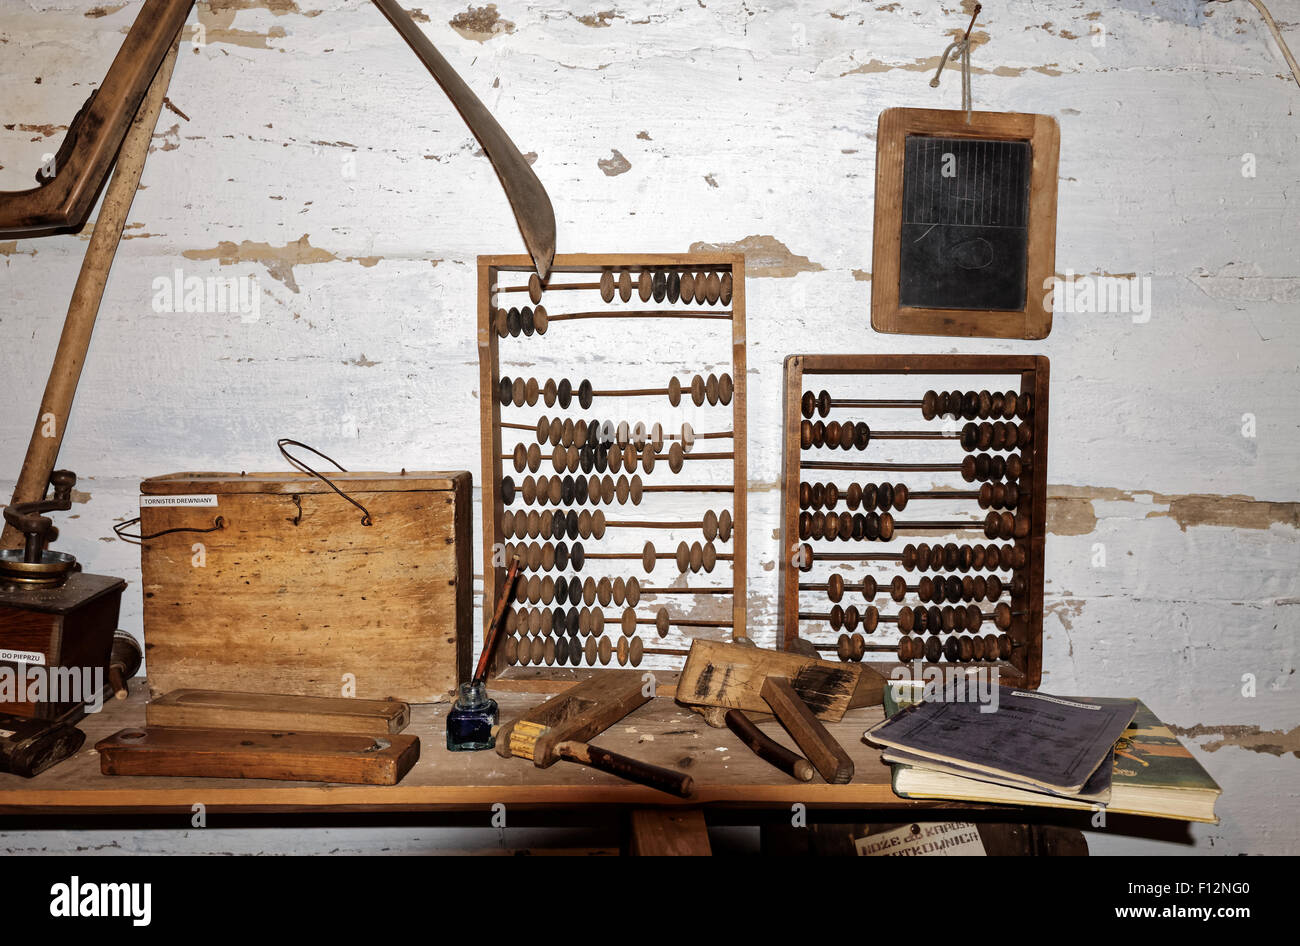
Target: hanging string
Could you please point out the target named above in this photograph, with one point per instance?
(960, 47)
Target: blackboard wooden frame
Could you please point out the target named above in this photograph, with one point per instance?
(1044, 137)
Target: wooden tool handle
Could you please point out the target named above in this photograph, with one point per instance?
(490, 640)
(809, 734)
(79, 323)
(527, 196)
(643, 773)
(791, 763)
(123, 663)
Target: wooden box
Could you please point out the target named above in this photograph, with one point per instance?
(294, 594)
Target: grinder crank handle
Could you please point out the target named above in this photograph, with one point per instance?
(36, 528)
(654, 776)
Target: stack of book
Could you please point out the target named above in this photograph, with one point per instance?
(1033, 748)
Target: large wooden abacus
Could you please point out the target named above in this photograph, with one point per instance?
(980, 446)
(571, 445)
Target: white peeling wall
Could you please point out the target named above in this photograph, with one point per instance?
(305, 149)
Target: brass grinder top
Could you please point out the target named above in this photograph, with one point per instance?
(35, 563)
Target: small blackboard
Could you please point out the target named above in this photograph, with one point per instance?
(965, 223)
(965, 229)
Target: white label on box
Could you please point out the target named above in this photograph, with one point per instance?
(6, 733)
(22, 657)
(935, 838)
(199, 499)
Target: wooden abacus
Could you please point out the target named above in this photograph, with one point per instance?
(985, 449)
(552, 491)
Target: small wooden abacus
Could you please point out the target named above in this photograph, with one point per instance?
(983, 445)
(553, 480)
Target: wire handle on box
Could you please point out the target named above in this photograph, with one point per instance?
(140, 539)
(303, 467)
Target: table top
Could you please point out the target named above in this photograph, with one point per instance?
(663, 732)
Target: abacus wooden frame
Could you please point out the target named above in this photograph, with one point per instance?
(1024, 668)
(554, 679)
(1044, 137)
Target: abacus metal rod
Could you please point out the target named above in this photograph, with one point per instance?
(815, 616)
(650, 524)
(723, 314)
(552, 288)
(940, 525)
(688, 591)
(638, 556)
(637, 435)
(873, 403)
(689, 622)
(689, 489)
(882, 467)
(810, 440)
(698, 456)
(868, 648)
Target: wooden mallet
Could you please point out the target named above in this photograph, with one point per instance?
(560, 728)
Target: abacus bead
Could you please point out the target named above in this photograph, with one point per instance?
(844, 647)
(835, 587)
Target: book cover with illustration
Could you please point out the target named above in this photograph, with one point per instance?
(1152, 774)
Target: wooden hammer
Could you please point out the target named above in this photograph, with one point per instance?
(729, 680)
(560, 727)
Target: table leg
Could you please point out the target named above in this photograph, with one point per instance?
(668, 831)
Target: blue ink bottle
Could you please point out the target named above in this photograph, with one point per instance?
(470, 722)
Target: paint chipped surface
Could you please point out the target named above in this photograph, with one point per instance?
(1071, 510)
(765, 256)
(1252, 738)
(481, 23)
(279, 261)
(615, 164)
(217, 20)
(599, 20)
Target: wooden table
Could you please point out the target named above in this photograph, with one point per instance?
(726, 774)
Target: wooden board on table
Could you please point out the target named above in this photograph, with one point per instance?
(218, 709)
(732, 676)
(353, 758)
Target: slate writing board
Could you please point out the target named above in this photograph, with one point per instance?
(965, 223)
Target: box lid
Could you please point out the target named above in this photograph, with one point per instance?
(80, 589)
(174, 484)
